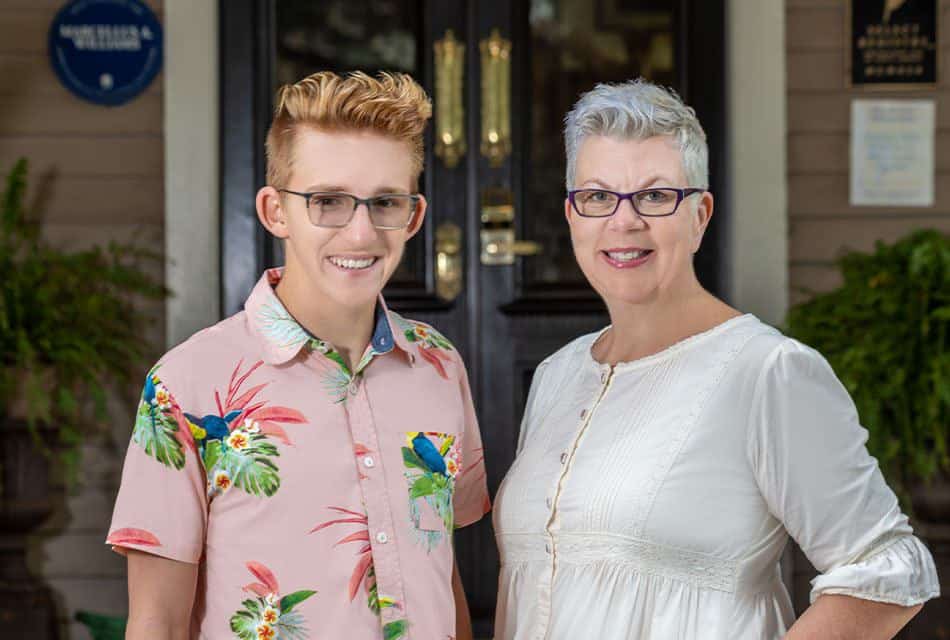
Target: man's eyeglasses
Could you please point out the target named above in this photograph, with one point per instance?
(650, 203)
(387, 211)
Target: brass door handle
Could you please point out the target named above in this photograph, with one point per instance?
(499, 246)
(516, 248)
(450, 142)
(496, 98)
(448, 261)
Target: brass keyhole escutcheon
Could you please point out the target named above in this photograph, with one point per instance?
(448, 261)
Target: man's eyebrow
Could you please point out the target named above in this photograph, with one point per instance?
(325, 187)
(335, 188)
(382, 190)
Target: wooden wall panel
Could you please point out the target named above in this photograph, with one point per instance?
(822, 224)
(32, 74)
(826, 194)
(66, 115)
(84, 156)
(96, 175)
(824, 153)
(822, 241)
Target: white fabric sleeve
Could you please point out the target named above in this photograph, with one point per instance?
(807, 450)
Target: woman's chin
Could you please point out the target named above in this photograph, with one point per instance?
(626, 296)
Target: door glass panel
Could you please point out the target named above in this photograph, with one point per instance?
(574, 45)
(349, 35)
(343, 35)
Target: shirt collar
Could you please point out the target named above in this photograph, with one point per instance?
(282, 337)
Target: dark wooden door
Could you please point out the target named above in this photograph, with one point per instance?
(506, 185)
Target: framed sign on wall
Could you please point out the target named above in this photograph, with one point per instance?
(893, 44)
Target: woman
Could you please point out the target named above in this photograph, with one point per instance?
(664, 461)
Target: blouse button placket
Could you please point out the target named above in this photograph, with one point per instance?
(566, 458)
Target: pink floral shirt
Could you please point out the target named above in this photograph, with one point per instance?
(318, 502)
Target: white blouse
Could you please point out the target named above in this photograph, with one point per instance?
(653, 499)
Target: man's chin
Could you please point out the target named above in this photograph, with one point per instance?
(353, 298)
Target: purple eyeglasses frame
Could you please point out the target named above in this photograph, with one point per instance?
(681, 194)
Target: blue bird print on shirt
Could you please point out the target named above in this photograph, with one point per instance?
(148, 394)
(211, 427)
(427, 451)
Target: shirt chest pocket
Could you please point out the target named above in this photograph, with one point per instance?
(431, 461)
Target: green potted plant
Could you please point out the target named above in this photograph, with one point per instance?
(886, 333)
(70, 326)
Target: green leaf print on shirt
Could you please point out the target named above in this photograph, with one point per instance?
(432, 461)
(235, 443)
(395, 629)
(269, 616)
(338, 376)
(157, 427)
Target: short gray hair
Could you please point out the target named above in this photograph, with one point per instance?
(637, 110)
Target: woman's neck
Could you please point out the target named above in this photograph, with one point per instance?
(641, 330)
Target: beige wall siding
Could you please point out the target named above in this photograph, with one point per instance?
(98, 172)
(821, 223)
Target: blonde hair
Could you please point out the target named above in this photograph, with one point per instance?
(392, 104)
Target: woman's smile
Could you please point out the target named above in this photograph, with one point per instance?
(626, 258)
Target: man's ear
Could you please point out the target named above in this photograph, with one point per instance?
(418, 217)
(271, 213)
(704, 212)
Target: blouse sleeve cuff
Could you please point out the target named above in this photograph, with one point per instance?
(901, 573)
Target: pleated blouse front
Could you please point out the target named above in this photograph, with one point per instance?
(653, 499)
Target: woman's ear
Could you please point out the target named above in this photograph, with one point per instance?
(271, 213)
(704, 212)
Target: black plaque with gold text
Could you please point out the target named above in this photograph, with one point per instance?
(893, 42)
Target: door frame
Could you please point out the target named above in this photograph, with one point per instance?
(191, 173)
(754, 257)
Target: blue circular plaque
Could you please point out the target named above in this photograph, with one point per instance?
(106, 51)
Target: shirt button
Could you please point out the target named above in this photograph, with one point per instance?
(547, 547)
(548, 502)
(603, 377)
(382, 538)
(563, 458)
(354, 386)
(583, 414)
(368, 462)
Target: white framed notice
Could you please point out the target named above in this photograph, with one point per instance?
(892, 153)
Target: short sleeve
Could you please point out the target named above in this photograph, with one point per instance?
(471, 491)
(807, 450)
(162, 504)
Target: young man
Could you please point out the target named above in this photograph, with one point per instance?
(297, 470)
